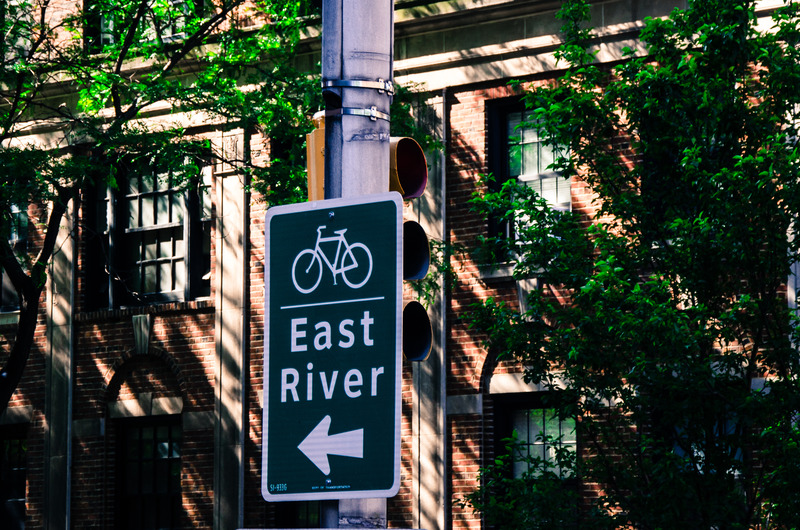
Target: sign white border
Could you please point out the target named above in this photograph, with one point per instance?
(322, 205)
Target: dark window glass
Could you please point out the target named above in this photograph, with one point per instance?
(297, 514)
(104, 23)
(539, 427)
(529, 160)
(13, 475)
(541, 432)
(18, 238)
(17, 22)
(150, 240)
(517, 151)
(149, 473)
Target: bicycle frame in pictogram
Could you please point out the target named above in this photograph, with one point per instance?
(352, 261)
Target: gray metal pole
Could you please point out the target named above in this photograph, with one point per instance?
(357, 47)
(357, 66)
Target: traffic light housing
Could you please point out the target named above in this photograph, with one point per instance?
(408, 175)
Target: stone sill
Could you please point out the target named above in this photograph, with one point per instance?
(202, 305)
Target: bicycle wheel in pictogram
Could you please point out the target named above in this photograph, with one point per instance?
(356, 265)
(306, 271)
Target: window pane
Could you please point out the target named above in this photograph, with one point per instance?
(133, 214)
(542, 433)
(147, 442)
(538, 452)
(177, 208)
(537, 424)
(151, 260)
(529, 135)
(162, 181)
(148, 214)
(10, 299)
(206, 237)
(519, 467)
(530, 159)
(136, 279)
(162, 210)
(133, 185)
(179, 272)
(205, 196)
(146, 183)
(165, 277)
(512, 129)
(166, 244)
(150, 280)
(162, 442)
(520, 424)
(553, 425)
(161, 483)
(132, 475)
(149, 486)
(564, 195)
(550, 189)
(175, 443)
(546, 158)
(150, 245)
(102, 212)
(297, 514)
(568, 430)
(514, 160)
(13, 475)
(178, 250)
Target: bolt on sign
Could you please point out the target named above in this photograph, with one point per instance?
(332, 360)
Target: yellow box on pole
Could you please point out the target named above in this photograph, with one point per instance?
(315, 159)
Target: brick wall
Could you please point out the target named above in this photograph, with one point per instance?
(181, 363)
(257, 512)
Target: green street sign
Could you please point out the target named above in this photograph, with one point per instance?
(332, 360)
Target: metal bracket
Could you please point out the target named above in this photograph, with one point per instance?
(372, 113)
(380, 85)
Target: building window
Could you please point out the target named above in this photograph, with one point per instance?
(529, 161)
(13, 475)
(162, 22)
(297, 514)
(149, 473)
(16, 19)
(517, 151)
(541, 433)
(793, 286)
(552, 486)
(540, 430)
(151, 240)
(18, 239)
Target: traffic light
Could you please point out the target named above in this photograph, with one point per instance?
(408, 175)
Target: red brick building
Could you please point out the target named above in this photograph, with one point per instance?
(149, 413)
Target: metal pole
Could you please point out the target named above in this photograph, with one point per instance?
(357, 66)
(357, 44)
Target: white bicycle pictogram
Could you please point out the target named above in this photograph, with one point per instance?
(353, 262)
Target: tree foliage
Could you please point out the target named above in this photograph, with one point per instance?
(677, 348)
(85, 85)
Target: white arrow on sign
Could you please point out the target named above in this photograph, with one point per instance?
(319, 444)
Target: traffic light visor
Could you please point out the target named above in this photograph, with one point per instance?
(417, 332)
(416, 251)
(408, 169)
